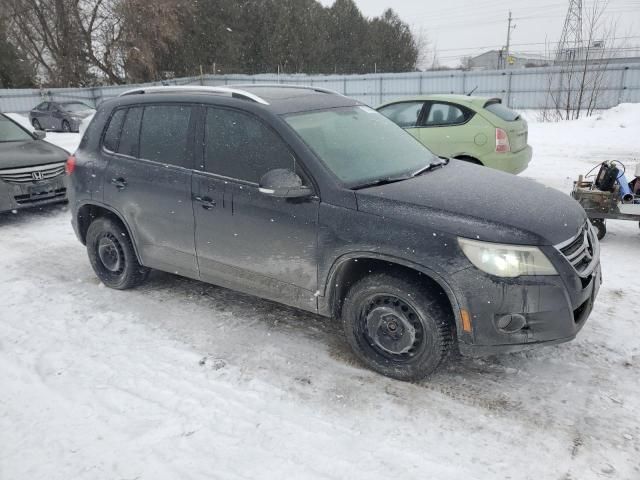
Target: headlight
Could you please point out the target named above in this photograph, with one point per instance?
(506, 260)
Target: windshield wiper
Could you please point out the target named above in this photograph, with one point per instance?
(431, 166)
(380, 181)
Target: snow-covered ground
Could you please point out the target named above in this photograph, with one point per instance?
(183, 380)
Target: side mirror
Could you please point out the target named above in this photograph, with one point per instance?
(283, 183)
(39, 134)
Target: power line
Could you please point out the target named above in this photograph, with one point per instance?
(519, 45)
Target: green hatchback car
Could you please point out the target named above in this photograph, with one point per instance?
(475, 129)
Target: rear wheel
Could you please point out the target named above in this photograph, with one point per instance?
(36, 124)
(395, 327)
(112, 255)
(65, 126)
(600, 226)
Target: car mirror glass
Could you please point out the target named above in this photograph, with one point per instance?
(283, 183)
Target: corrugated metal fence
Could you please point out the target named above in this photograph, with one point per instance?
(520, 89)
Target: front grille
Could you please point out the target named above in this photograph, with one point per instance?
(582, 251)
(47, 196)
(33, 174)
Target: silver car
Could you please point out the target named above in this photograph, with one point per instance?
(31, 170)
(59, 116)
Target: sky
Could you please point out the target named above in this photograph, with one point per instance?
(456, 28)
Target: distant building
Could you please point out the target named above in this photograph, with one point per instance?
(597, 53)
(496, 59)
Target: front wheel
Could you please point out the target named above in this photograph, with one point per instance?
(66, 128)
(396, 328)
(36, 124)
(600, 226)
(112, 255)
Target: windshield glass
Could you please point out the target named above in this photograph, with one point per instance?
(360, 145)
(10, 132)
(75, 107)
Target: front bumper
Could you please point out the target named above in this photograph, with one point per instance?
(555, 309)
(17, 196)
(509, 162)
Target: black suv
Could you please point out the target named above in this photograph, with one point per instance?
(311, 199)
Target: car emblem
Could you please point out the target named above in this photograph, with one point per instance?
(37, 175)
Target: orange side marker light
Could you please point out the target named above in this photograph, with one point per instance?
(466, 320)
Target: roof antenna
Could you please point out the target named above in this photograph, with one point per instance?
(471, 92)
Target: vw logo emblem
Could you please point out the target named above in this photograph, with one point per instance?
(37, 175)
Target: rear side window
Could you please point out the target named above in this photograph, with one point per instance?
(238, 145)
(164, 134)
(505, 113)
(405, 114)
(442, 114)
(130, 129)
(112, 134)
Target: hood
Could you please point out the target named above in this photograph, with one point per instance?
(29, 153)
(477, 202)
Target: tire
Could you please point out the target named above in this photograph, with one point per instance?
(66, 128)
(36, 124)
(600, 226)
(112, 255)
(396, 328)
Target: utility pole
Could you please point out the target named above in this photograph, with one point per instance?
(509, 28)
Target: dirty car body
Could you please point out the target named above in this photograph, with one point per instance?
(309, 250)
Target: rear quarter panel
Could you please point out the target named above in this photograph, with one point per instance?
(475, 139)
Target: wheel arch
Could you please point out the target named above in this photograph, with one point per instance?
(468, 158)
(88, 212)
(351, 267)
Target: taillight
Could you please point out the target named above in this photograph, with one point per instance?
(502, 141)
(70, 166)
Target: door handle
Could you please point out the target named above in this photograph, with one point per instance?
(120, 183)
(206, 202)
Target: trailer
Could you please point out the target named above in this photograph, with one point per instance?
(609, 196)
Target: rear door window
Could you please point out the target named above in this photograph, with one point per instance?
(505, 113)
(443, 114)
(130, 132)
(405, 114)
(164, 135)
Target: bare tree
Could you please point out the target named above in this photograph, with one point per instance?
(574, 87)
(84, 42)
(47, 30)
(466, 63)
(150, 30)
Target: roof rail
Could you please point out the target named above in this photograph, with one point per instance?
(234, 92)
(284, 85)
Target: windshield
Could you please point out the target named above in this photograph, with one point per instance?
(360, 145)
(10, 132)
(75, 107)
